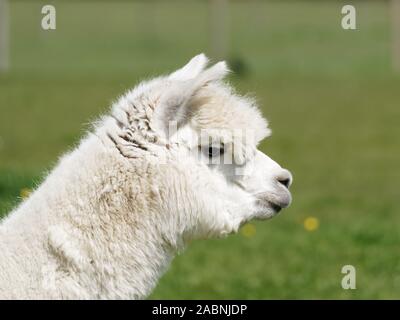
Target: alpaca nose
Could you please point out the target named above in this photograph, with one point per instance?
(285, 178)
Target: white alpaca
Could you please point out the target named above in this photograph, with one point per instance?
(108, 220)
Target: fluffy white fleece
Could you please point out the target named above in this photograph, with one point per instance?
(110, 217)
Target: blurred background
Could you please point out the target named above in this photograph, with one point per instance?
(332, 97)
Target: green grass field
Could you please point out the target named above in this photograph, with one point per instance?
(330, 96)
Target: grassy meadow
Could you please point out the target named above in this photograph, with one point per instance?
(331, 98)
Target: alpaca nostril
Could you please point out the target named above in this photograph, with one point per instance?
(285, 178)
(285, 182)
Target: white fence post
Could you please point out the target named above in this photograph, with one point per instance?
(219, 28)
(395, 13)
(4, 36)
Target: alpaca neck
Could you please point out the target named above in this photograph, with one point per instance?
(115, 244)
(85, 234)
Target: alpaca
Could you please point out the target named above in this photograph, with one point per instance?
(168, 165)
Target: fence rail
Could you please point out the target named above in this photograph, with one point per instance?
(218, 30)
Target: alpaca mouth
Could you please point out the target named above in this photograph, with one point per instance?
(275, 207)
(269, 205)
(280, 200)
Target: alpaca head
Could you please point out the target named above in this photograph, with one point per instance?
(193, 122)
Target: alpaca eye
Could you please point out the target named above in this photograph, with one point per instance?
(215, 151)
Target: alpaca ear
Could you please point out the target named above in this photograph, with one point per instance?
(191, 70)
(194, 74)
(184, 85)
